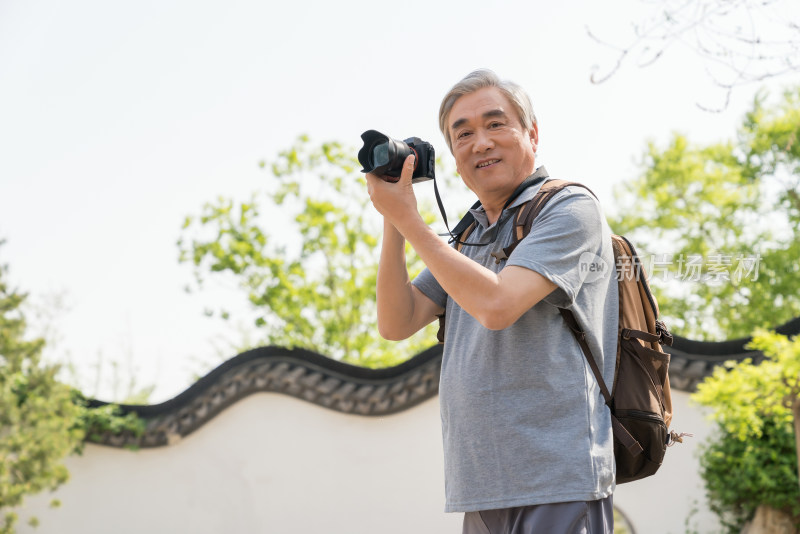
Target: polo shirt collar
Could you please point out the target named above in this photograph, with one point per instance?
(480, 214)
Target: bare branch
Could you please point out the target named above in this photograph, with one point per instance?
(739, 41)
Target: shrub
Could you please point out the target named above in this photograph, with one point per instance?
(752, 459)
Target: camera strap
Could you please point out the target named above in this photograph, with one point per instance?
(534, 179)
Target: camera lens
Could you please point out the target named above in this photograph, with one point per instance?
(380, 155)
(383, 156)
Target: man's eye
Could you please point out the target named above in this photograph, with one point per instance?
(463, 134)
(495, 125)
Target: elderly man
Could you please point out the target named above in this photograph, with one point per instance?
(527, 438)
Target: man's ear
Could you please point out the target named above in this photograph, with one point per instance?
(534, 135)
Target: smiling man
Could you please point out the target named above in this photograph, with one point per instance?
(527, 438)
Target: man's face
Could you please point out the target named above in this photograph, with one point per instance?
(493, 152)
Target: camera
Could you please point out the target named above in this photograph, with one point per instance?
(383, 156)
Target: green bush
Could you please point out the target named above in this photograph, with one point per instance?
(41, 419)
(752, 459)
(37, 414)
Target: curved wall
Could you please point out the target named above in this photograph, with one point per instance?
(288, 441)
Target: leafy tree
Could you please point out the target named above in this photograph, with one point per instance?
(37, 414)
(722, 223)
(41, 419)
(309, 276)
(753, 460)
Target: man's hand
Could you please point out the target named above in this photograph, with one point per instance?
(395, 200)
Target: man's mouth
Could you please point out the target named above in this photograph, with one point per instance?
(487, 163)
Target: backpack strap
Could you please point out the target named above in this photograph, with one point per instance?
(465, 234)
(467, 221)
(620, 432)
(628, 333)
(529, 211)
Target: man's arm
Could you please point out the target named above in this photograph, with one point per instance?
(496, 300)
(402, 308)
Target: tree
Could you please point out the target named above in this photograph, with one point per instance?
(37, 414)
(739, 41)
(753, 459)
(310, 283)
(722, 225)
(41, 419)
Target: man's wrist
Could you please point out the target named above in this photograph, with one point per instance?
(391, 235)
(412, 228)
(421, 237)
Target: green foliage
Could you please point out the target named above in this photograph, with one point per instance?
(107, 419)
(37, 415)
(309, 276)
(41, 419)
(723, 224)
(753, 459)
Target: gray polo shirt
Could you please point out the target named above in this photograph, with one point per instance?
(523, 420)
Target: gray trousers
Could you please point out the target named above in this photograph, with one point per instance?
(593, 517)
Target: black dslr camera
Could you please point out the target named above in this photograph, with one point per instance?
(383, 156)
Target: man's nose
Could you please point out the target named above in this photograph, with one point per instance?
(483, 141)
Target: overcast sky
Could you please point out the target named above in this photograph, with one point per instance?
(118, 119)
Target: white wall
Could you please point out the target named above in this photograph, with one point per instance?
(275, 464)
(268, 464)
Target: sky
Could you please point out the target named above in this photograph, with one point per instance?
(119, 119)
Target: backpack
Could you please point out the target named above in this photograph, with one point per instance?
(640, 399)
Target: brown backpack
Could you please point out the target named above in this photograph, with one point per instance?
(640, 400)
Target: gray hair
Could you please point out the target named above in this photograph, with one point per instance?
(478, 80)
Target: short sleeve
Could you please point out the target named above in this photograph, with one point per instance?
(426, 283)
(565, 244)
